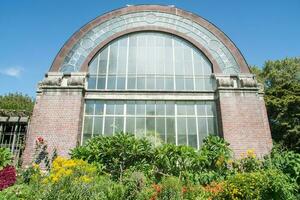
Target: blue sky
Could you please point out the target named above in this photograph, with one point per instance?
(33, 31)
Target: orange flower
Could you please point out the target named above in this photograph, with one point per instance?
(214, 187)
(157, 188)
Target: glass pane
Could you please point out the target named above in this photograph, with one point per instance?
(119, 109)
(110, 108)
(88, 125)
(179, 83)
(113, 56)
(201, 108)
(181, 108)
(192, 131)
(160, 108)
(170, 130)
(141, 83)
(92, 82)
(208, 84)
(212, 126)
(140, 126)
(211, 110)
(170, 108)
(111, 82)
(202, 129)
(89, 107)
(169, 83)
(121, 83)
(150, 83)
(190, 108)
(86, 137)
(101, 82)
(140, 108)
(130, 125)
(109, 126)
(160, 128)
(119, 124)
(99, 107)
(131, 83)
(160, 83)
(181, 131)
(150, 125)
(150, 108)
(103, 62)
(93, 66)
(98, 126)
(130, 108)
(189, 84)
(200, 85)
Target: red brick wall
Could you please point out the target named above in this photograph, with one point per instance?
(56, 118)
(245, 123)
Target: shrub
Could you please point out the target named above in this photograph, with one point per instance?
(176, 160)
(171, 188)
(117, 153)
(134, 182)
(20, 192)
(247, 163)
(5, 157)
(286, 161)
(269, 184)
(216, 152)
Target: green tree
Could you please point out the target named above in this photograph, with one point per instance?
(282, 96)
(15, 104)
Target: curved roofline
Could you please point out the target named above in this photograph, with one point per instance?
(139, 8)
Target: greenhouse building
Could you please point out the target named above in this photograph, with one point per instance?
(154, 71)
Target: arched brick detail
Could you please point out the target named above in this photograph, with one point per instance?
(58, 61)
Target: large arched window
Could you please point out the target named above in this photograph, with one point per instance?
(148, 63)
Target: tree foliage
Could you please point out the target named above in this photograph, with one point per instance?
(281, 79)
(16, 104)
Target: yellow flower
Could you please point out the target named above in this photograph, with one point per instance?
(251, 153)
(85, 179)
(35, 166)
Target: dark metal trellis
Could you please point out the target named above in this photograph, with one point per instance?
(12, 135)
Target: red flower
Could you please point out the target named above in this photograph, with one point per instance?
(40, 140)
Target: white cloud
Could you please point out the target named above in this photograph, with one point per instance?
(12, 71)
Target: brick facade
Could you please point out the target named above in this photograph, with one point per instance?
(57, 118)
(244, 122)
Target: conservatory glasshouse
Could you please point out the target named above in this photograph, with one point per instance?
(154, 71)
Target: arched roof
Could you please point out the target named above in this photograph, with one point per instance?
(86, 42)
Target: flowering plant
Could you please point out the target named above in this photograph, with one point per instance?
(7, 177)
